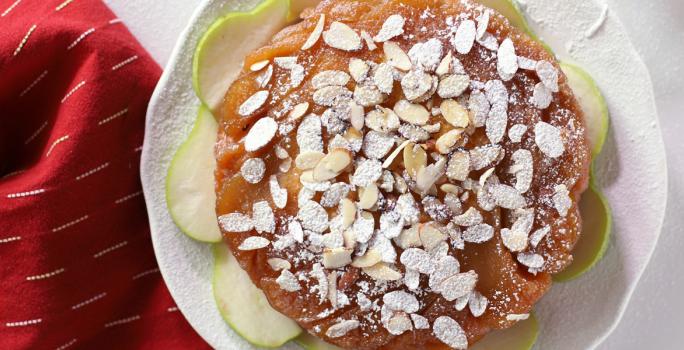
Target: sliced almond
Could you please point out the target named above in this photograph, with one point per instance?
(298, 111)
(409, 238)
(447, 141)
(445, 65)
(369, 259)
(382, 120)
(384, 78)
(253, 103)
(341, 36)
(369, 40)
(336, 257)
(428, 176)
(260, 134)
(330, 78)
(454, 113)
(332, 165)
(308, 159)
(430, 236)
(396, 57)
(357, 118)
(315, 34)
(415, 158)
(368, 196)
(412, 113)
(382, 272)
(278, 264)
(349, 237)
(452, 86)
(459, 166)
(450, 188)
(394, 154)
(257, 66)
(348, 212)
(358, 69)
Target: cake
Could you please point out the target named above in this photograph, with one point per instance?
(401, 174)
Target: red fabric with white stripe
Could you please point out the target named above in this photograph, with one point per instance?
(76, 263)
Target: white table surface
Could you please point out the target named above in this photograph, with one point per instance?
(655, 316)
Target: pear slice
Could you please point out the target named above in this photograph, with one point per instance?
(310, 342)
(592, 102)
(221, 51)
(190, 194)
(245, 307)
(512, 12)
(596, 227)
(521, 336)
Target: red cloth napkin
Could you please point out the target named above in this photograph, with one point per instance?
(77, 268)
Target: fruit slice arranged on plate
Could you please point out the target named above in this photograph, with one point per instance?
(190, 192)
(245, 307)
(223, 47)
(190, 183)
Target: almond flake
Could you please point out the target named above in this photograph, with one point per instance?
(330, 78)
(358, 69)
(507, 64)
(523, 169)
(401, 301)
(382, 120)
(368, 95)
(459, 166)
(407, 208)
(332, 288)
(548, 74)
(318, 274)
(450, 333)
(253, 103)
(341, 328)
(329, 95)
(398, 324)
(426, 177)
(236, 222)
(260, 134)
(253, 169)
(368, 196)
(446, 267)
(254, 243)
(287, 62)
(297, 75)
(332, 165)
(484, 156)
(447, 141)
(393, 26)
(416, 84)
(332, 196)
(471, 217)
(308, 159)
(479, 233)
(287, 281)
(527, 63)
(420, 322)
(384, 78)
(411, 113)
(278, 194)
(369, 40)
(363, 226)
(262, 215)
(537, 236)
(453, 85)
(454, 113)
(394, 154)
(477, 303)
(313, 216)
(531, 260)
(482, 24)
(265, 77)
(461, 303)
(369, 259)
(549, 140)
(336, 257)
(307, 180)
(348, 212)
(382, 272)
(517, 317)
(444, 66)
(542, 96)
(278, 264)
(414, 133)
(479, 107)
(396, 57)
(430, 236)
(496, 123)
(515, 241)
(426, 56)
(506, 196)
(458, 285)
(464, 38)
(561, 200)
(257, 66)
(341, 36)
(417, 259)
(516, 132)
(367, 171)
(412, 279)
(376, 145)
(489, 42)
(409, 238)
(309, 134)
(315, 34)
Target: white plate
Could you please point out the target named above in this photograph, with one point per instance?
(632, 172)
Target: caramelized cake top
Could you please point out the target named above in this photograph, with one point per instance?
(401, 174)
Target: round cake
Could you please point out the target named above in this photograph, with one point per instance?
(401, 174)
